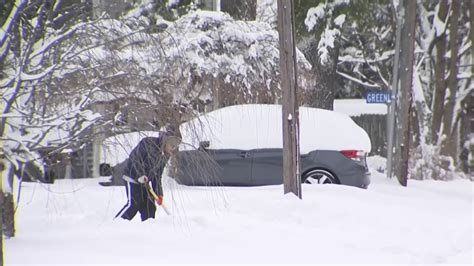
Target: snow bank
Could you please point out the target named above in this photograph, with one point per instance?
(71, 222)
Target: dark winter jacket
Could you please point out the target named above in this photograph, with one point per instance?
(147, 159)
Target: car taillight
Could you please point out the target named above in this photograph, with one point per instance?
(354, 155)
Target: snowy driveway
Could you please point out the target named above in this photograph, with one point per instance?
(71, 222)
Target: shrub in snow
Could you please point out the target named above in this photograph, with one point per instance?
(209, 51)
(430, 164)
(377, 163)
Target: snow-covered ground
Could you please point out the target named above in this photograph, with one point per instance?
(71, 222)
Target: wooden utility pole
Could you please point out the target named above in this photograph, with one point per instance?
(290, 117)
(392, 107)
(405, 97)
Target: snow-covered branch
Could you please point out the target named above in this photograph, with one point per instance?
(356, 80)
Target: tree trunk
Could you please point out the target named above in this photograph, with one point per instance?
(7, 227)
(448, 147)
(405, 97)
(439, 71)
(240, 9)
(471, 17)
(323, 91)
(1, 219)
(8, 217)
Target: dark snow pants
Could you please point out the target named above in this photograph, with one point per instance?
(138, 201)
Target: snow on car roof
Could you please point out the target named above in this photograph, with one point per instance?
(251, 126)
(254, 126)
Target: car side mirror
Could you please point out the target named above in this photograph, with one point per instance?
(204, 145)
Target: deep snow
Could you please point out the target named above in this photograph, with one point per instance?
(71, 222)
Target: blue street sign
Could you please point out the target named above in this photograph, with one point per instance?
(378, 97)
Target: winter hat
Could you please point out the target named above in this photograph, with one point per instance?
(171, 136)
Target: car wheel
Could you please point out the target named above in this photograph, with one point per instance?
(319, 176)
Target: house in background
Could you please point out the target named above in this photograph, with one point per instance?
(119, 115)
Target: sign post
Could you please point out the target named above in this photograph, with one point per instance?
(395, 82)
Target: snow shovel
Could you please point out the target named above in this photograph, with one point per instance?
(158, 199)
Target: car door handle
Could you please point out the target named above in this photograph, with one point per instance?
(244, 154)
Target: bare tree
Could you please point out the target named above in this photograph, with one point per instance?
(34, 111)
(439, 71)
(442, 82)
(448, 147)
